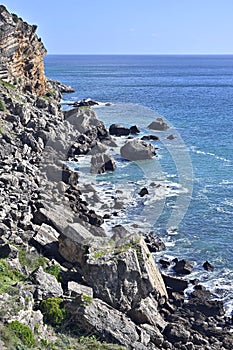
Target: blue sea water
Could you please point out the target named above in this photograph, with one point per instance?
(195, 95)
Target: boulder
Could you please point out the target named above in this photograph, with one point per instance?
(146, 311)
(57, 216)
(137, 150)
(153, 242)
(177, 333)
(176, 284)
(74, 241)
(8, 251)
(158, 124)
(134, 130)
(183, 267)
(208, 267)
(46, 239)
(75, 288)
(123, 275)
(143, 192)
(118, 130)
(46, 285)
(150, 137)
(93, 316)
(100, 163)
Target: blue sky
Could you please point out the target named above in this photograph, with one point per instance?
(130, 26)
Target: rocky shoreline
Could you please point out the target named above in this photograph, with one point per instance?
(65, 278)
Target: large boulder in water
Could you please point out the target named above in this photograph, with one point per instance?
(119, 130)
(158, 124)
(137, 150)
(101, 163)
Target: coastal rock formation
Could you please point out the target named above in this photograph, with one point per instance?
(158, 124)
(56, 253)
(137, 150)
(21, 54)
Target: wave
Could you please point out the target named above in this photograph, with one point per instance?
(197, 151)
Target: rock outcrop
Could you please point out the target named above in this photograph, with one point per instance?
(21, 54)
(137, 150)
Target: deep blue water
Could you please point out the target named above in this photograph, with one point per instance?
(195, 95)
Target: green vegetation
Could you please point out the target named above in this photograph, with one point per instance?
(6, 84)
(98, 254)
(55, 270)
(92, 343)
(8, 277)
(31, 261)
(87, 299)
(53, 311)
(2, 106)
(22, 332)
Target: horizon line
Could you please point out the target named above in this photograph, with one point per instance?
(140, 54)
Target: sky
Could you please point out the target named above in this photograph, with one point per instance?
(130, 26)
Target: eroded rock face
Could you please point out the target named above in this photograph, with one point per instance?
(126, 279)
(21, 54)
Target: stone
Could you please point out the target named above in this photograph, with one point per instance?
(150, 137)
(79, 289)
(100, 163)
(208, 267)
(47, 285)
(139, 275)
(158, 124)
(176, 284)
(57, 216)
(165, 263)
(46, 238)
(154, 243)
(8, 251)
(95, 316)
(118, 130)
(176, 332)
(134, 130)
(73, 241)
(183, 267)
(147, 312)
(137, 150)
(143, 192)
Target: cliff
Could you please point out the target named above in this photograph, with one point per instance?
(21, 54)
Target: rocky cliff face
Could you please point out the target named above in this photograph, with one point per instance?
(21, 54)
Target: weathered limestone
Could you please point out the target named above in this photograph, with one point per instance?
(95, 316)
(21, 54)
(137, 150)
(47, 285)
(124, 276)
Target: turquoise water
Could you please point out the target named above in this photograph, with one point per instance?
(195, 95)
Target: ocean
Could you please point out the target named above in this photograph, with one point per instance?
(191, 179)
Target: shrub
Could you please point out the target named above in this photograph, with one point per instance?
(23, 332)
(55, 270)
(2, 106)
(53, 311)
(8, 277)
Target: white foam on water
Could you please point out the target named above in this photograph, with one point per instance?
(197, 151)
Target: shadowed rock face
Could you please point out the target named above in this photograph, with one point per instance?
(21, 54)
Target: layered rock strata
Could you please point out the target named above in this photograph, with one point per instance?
(21, 54)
